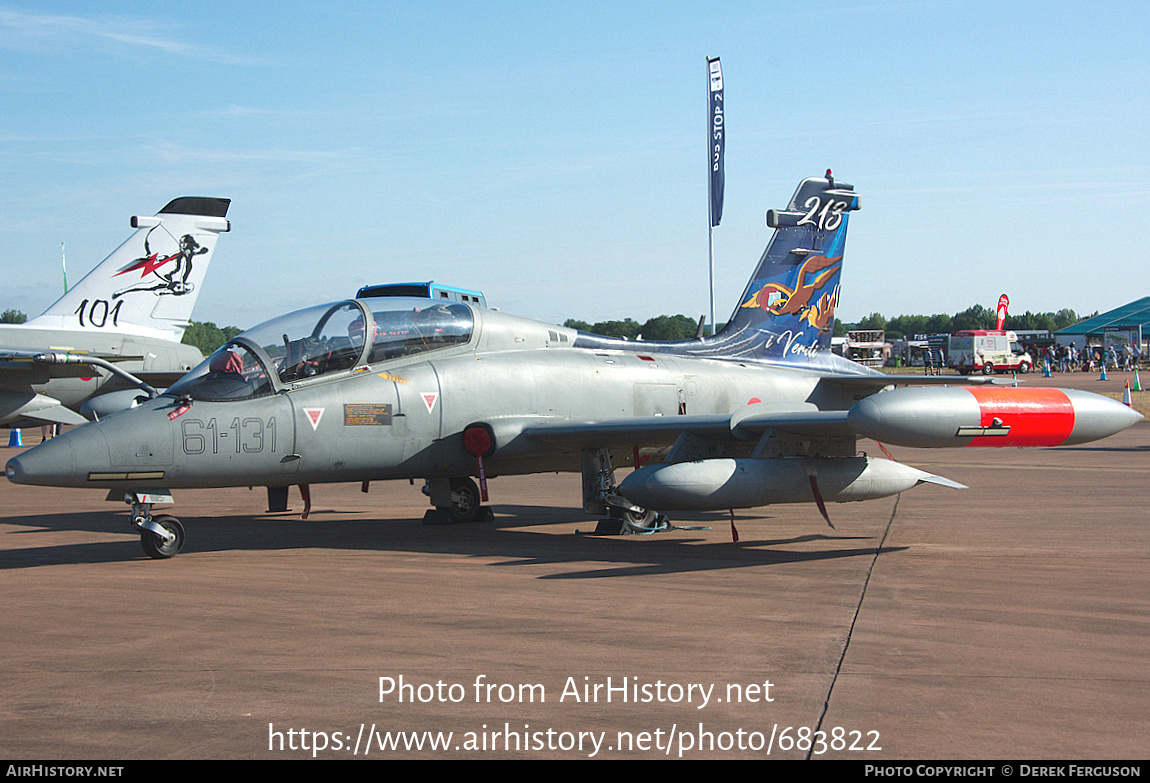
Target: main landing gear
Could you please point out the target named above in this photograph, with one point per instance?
(161, 536)
(600, 497)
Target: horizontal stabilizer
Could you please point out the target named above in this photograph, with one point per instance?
(17, 405)
(57, 414)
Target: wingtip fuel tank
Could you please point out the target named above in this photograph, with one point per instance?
(940, 417)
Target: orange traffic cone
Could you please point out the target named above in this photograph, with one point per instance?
(1126, 396)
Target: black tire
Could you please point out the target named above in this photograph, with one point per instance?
(1023, 368)
(645, 521)
(988, 369)
(466, 502)
(155, 547)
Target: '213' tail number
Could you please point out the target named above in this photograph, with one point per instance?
(249, 435)
(827, 217)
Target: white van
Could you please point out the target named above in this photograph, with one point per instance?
(988, 351)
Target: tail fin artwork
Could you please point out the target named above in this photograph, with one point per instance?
(786, 315)
(787, 312)
(148, 286)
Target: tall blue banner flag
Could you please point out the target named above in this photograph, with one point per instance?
(717, 134)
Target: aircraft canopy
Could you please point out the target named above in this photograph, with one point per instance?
(322, 340)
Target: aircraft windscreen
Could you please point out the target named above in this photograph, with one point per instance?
(305, 344)
(231, 373)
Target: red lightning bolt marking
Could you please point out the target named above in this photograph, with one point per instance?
(149, 264)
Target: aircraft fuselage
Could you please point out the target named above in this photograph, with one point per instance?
(761, 413)
(405, 418)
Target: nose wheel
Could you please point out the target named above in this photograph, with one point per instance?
(165, 543)
(161, 536)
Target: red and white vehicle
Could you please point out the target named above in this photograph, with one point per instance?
(988, 351)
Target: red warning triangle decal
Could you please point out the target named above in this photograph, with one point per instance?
(313, 415)
(429, 399)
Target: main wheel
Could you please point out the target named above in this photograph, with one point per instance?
(155, 547)
(644, 521)
(466, 502)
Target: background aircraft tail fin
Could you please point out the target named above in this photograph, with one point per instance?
(787, 311)
(150, 283)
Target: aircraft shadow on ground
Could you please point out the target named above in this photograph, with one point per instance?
(1095, 449)
(514, 538)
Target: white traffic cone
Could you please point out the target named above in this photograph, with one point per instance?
(1126, 396)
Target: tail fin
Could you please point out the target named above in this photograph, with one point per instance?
(150, 283)
(787, 311)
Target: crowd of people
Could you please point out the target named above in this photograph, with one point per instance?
(1060, 358)
(1067, 358)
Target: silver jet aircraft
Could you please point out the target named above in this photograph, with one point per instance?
(120, 327)
(390, 388)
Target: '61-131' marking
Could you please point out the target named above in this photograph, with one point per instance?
(249, 435)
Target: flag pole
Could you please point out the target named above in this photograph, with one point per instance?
(716, 134)
(711, 264)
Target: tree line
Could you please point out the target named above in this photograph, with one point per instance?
(680, 327)
(207, 337)
(661, 327)
(976, 317)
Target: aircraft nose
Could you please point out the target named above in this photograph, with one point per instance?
(61, 462)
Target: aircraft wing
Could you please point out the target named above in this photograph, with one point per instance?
(627, 432)
(660, 431)
(930, 416)
(920, 415)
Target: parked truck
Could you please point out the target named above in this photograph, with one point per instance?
(987, 351)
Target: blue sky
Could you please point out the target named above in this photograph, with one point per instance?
(554, 154)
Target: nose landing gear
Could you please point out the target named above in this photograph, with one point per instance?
(161, 536)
